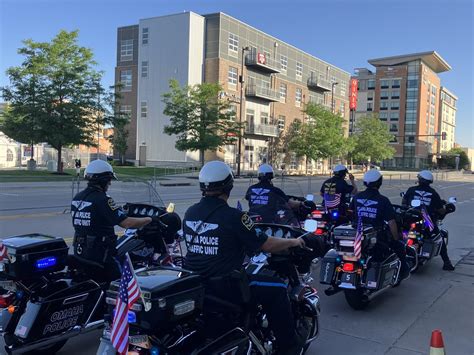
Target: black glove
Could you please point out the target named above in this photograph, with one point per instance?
(450, 208)
(307, 207)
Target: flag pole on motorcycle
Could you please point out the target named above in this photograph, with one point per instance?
(128, 295)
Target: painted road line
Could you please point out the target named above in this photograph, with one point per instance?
(31, 215)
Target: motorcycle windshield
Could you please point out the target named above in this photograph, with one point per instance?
(134, 190)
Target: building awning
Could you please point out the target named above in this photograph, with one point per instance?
(431, 58)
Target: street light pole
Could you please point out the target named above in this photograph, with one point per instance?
(239, 148)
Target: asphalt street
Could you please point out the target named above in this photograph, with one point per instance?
(399, 322)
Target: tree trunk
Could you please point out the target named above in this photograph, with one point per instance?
(32, 157)
(122, 159)
(201, 157)
(307, 165)
(60, 165)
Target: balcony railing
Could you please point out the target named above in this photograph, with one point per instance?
(318, 84)
(262, 62)
(262, 92)
(262, 129)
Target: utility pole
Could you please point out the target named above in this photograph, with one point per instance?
(239, 148)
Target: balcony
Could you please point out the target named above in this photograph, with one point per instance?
(262, 130)
(262, 62)
(262, 92)
(318, 84)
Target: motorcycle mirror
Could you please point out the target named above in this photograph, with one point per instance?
(402, 194)
(415, 203)
(310, 197)
(170, 208)
(452, 200)
(310, 225)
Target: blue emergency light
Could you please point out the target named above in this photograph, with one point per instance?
(46, 262)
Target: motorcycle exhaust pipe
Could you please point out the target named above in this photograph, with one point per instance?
(371, 296)
(332, 291)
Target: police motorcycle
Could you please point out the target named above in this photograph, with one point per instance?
(361, 276)
(417, 229)
(178, 315)
(46, 297)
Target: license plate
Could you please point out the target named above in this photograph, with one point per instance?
(8, 285)
(348, 280)
(140, 341)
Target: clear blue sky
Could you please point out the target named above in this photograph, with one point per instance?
(343, 32)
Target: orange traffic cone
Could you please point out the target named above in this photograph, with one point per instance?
(437, 344)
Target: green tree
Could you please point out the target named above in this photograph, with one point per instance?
(198, 118)
(451, 158)
(320, 137)
(119, 120)
(24, 94)
(371, 140)
(66, 103)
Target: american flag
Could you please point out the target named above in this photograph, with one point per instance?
(239, 206)
(3, 251)
(358, 239)
(332, 200)
(427, 219)
(129, 293)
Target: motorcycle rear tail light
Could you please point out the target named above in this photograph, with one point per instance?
(413, 226)
(319, 231)
(348, 267)
(7, 299)
(317, 214)
(410, 242)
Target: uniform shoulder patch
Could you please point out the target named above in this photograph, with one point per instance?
(247, 221)
(113, 206)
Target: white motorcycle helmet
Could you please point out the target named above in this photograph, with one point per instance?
(216, 176)
(373, 178)
(265, 171)
(99, 170)
(425, 177)
(340, 170)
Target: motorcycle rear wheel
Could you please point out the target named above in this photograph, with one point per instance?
(355, 299)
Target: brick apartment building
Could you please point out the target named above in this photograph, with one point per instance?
(405, 91)
(279, 80)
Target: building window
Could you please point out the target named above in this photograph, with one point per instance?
(384, 94)
(370, 106)
(143, 109)
(9, 155)
(395, 83)
(232, 76)
(384, 105)
(410, 127)
(298, 97)
(362, 85)
(393, 127)
(411, 105)
(394, 116)
(433, 90)
(126, 80)
(384, 84)
(412, 83)
(264, 118)
(299, 70)
(233, 43)
(281, 122)
(395, 94)
(126, 110)
(342, 109)
(343, 87)
(411, 139)
(283, 63)
(395, 105)
(145, 35)
(283, 89)
(145, 69)
(126, 50)
(370, 96)
(433, 100)
(370, 84)
(383, 116)
(412, 94)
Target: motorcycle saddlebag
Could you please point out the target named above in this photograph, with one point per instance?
(233, 342)
(174, 295)
(58, 307)
(31, 256)
(380, 275)
(431, 247)
(328, 265)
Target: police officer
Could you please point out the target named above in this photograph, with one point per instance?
(372, 208)
(217, 238)
(266, 200)
(434, 205)
(336, 191)
(94, 215)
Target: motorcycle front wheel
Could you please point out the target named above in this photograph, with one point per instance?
(355, 299)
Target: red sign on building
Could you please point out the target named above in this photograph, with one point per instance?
(353, 95)
(261, 58)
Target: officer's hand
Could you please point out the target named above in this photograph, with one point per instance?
(298, 242)
(351, 177)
